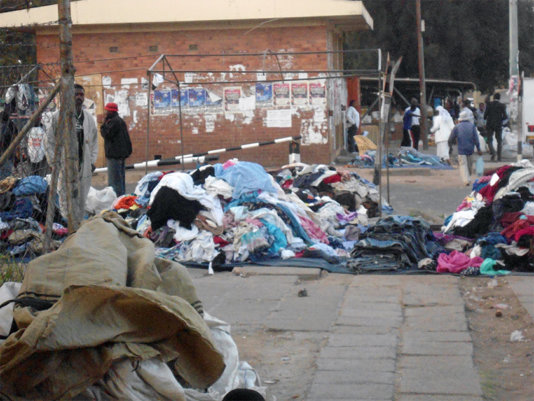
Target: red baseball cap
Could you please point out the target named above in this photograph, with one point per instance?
(111, 107)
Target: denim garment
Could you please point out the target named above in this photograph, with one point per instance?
(405, 239)
(116, 176)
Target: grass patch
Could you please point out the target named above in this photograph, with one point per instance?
(10, 270)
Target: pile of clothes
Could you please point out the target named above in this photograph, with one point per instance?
(23, 206)
(394, 243)
(494, 224)
(234, 212)
(405, 157)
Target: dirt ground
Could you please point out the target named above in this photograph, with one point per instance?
(506, 367)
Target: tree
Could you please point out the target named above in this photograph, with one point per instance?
(464, 40)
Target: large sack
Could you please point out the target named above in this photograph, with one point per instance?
(113, 300)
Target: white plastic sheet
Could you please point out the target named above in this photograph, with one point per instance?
(8, 291)
(98, 200)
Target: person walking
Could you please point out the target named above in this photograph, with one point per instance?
(353, 123)
(466, 106)
(87, 145)
(442, 127)
(117, 147)
(466, 135)
(494, 115)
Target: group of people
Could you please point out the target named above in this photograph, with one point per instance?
(452, 124)
(487, 120)
(117, 147)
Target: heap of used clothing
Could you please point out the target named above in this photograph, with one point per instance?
(235, 212)
(23, 205)
(394, 243)
(406, 157)
(494, 224)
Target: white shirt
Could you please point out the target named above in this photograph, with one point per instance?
(415, 116)
(353, 117)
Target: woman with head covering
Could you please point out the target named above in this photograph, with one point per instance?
(442, 127)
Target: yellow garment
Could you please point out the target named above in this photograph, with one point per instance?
(364, 144)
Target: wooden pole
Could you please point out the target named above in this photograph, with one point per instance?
(66, 118)
(422, 83)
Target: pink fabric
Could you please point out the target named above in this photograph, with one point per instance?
(463, 205)
(456, 262)
(228, 163)
(313, 230)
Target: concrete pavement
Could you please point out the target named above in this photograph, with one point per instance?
(367, 337)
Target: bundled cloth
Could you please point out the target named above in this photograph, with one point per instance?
(97, 306)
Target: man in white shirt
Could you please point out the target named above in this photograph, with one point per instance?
(415, 128)
(353, 123)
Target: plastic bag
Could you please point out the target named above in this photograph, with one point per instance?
(100, 200)
(479, 166)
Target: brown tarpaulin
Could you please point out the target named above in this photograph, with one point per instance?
(115, 300)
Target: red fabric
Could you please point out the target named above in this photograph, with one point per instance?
(287, 184)
(489, 191)
(126, 202)
(111, 107)
(525, 231)
(220, 241)
(332, 179)
(510, 218)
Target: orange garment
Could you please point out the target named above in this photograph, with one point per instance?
(125, 202)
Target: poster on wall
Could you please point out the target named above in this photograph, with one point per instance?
(162, 99)
(281, 94)
(197, 97)
(184, 100)
(264, 94)
(317, 93)
(231, 98)
(213, 100)
(299, 93)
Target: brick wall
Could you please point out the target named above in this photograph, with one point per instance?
(123, 70)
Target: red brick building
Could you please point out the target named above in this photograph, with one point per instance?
(249, 71)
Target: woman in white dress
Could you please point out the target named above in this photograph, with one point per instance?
(442, 127)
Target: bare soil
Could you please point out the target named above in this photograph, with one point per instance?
(505, 367)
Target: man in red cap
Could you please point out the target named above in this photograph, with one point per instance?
(117, 147)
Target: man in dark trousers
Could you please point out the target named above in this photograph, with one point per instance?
(117, 146)
(494, 115)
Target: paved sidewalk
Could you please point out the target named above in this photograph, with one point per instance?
(369, 337)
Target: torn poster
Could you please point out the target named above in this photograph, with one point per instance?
(197, 97)
(264, 94)
(281, 94)
(299, 93)
(231, 98)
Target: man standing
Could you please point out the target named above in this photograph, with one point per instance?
(87, 145)
(466, 134)
(415, 128)
(353, 123)
(117, 146)
(495, 114)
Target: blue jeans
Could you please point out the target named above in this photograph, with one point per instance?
(117, 176)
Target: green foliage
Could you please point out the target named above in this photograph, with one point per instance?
(463, 40)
